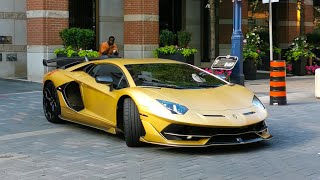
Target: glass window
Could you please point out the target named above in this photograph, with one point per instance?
(94, 71)
(119, 79)
(181, 76)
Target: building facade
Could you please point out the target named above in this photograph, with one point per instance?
(29, 29)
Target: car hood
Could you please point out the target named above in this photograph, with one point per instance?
(221, 98)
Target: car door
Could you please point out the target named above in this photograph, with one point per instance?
(100, 100)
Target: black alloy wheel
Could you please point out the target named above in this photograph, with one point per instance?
(51, 105)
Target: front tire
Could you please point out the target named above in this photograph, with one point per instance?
(51, 105)
(133, 128)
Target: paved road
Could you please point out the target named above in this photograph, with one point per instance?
(31, 148)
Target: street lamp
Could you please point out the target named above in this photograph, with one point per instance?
(237, 44)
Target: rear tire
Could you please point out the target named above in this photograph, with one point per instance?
(51, 104)
(133, 128)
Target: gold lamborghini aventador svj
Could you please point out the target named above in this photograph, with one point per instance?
(154, 101)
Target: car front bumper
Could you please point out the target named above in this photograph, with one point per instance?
(186, 135)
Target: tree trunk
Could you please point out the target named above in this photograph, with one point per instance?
(212, 28)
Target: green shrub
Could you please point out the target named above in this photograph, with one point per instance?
(69, 51)
(167, 37)
(85, 39)
(300, 48)
(184, 38)
(313, 38)
(186, 52)
(77, 38)
(88, 53)
(164, 50)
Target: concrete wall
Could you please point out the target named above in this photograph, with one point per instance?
(13, 23)
(111, 22)
(193, 26)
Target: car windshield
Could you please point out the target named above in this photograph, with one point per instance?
(179, 76)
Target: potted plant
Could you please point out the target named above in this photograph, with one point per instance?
(88, 53)
(76, 44)
(65, 52)
(77, 38)
(313, 39)
(182, 52)
(167, 37)
(298, 55)
(251, 55)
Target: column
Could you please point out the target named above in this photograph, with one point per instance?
(111, 22)
(141, 28)
(45, 19)
(13, 39)
(289, 21)
(226, 24)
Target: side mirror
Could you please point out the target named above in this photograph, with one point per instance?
(104, 79)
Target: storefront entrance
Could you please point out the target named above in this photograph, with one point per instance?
(170, 15)
(84, 14)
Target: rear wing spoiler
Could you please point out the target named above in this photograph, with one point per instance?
(64, 62)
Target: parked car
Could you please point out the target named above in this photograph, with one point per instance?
(155, 101)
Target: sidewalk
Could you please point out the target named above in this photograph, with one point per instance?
(10, 86)
(298, 88)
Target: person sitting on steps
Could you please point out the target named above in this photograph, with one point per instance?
(109, 48)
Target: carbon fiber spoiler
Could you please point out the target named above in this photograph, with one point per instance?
(63, 62)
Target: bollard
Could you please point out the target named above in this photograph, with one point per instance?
(278, 94)
(317, 83)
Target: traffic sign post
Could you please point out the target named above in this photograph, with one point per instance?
(270, 25)
(278, 94)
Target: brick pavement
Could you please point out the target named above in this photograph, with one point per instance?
(32, 148)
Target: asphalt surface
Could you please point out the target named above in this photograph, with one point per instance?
(32, 148)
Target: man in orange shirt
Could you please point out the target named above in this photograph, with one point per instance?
(109, 48)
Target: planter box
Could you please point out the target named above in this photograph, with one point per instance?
(178, 57)
(249, 69)
(61, 55)
(299, 67)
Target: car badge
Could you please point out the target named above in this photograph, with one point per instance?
(235, 116)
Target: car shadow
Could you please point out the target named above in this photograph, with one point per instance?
(217, 150)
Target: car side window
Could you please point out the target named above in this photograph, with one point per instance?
(119, 79)
(94, 71)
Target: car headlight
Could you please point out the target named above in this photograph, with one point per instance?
(257, 103)
(174, 108)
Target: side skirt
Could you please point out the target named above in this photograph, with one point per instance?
(109, 130)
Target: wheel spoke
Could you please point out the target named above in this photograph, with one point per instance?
(49, 102)
(47, 95)
(51, 105)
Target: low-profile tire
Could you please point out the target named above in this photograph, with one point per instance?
(51, 104)
(133, 128)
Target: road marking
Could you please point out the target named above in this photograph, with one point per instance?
(33, 133)
(20, 93)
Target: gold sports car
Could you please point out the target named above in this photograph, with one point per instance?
(154, 101)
